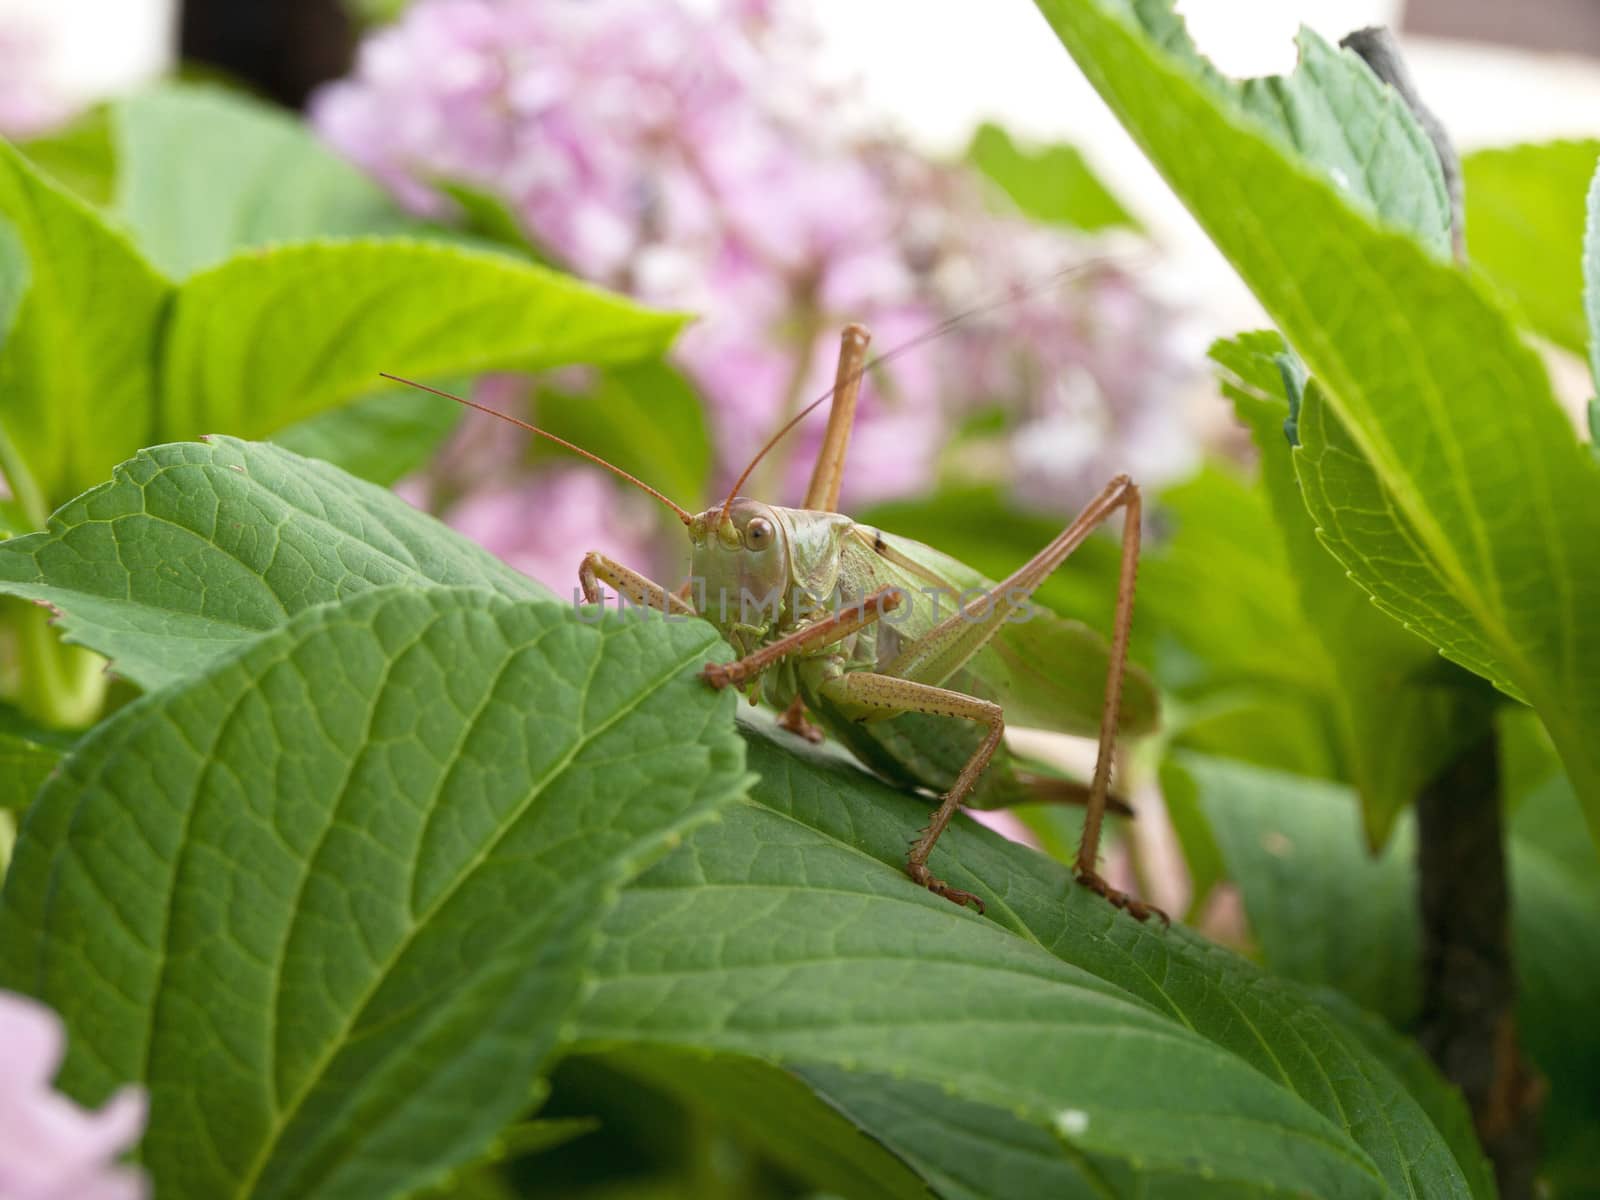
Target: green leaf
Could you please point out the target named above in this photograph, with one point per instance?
(489, 217)
(21, 503)
(1525, 222)
(28, 753)
(195, 549)
(1362, 526)
(1126, 1052)
(1326, 912)
(1591, 293)
(106, 357)
(1397, 718)
(485, 1180)
(1439, 1098)
(1051, 183)
(206, 171)
(80, 156)
(1245, 627)
(1360, 134)
(645, 418)
(265, 340)
(332, 901)
(380, 438)
(1502, 502)
(14, 273)
(77, 377)
(1336, 112)
(778, 1112)
(1295, 846)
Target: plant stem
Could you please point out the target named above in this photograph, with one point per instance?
(8, 840)
(57, 685)
(1468, 1022)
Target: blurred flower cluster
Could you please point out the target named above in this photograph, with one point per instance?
(50, 1149)
(692, 159)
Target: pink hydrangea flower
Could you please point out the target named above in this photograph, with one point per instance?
(687, 154)
(544, 525)
(50, 1148)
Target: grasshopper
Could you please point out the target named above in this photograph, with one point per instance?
(829, 619)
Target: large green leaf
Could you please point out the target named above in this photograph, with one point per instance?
(1336, 112)
(268, 339)
(78, 373)
(1067, 1040)
(1524, 207)
(1451, 411)
(14, 272)
(21, 501)
(28, 753)
(777, 1111)
(1591, 288)
(380, 438)
(193, 549)
(1398, 717)
(1296, 848)
(1325, 912)
(332, 901)
(80, 155)
(1049, 183)
(204, 172)
(1439, 1098)
(1245, 627)
(1359, 522)
(106, 356)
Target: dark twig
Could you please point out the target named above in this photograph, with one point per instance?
(1468, 1026)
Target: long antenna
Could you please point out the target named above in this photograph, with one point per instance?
(927, 335)
(683, 514)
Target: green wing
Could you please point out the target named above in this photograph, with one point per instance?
(1047, 672)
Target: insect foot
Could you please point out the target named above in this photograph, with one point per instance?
(1135, 907)
(920, 873)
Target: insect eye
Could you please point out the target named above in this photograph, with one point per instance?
(758, 534)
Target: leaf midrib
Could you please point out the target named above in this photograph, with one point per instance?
(337, 1042)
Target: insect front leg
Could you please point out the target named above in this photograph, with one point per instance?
(805, 639)
(597, 569)
(865, 694)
